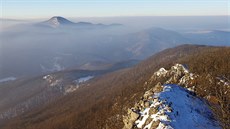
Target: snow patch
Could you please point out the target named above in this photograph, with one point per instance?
(174, 69)
(7, 79)
(178, 67)
(84, 79)
(178, 108)
(71, 88)
(161, 72)
(171, 106)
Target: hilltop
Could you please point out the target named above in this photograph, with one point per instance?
(105, 100)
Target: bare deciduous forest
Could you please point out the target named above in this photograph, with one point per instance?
(103, 103)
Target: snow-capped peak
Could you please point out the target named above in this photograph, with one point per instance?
(54, 21)
(57, 21)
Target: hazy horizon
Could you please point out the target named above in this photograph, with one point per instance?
(114, 64)
(144, 28)
(143, 22)
(103, 17)
(34, 9)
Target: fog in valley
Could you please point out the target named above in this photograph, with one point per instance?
(40, 46)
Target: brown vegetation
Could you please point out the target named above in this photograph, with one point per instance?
(106, 99)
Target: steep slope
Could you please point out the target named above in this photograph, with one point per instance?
(170, 105)
(146, 42)
(104, 102)
(23, 95)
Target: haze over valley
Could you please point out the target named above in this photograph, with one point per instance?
(58, 43)
(105, 64)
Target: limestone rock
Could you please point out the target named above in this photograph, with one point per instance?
(129, 119)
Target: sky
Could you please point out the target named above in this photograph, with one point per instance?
(22, 9)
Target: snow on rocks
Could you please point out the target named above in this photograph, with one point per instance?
(178, 69)
(172, 108)
(161, 72)
(169, 105)
(48, 78)
(224, 81)
(71, 88)
(63, 86)
(52, 80)
(177, 74)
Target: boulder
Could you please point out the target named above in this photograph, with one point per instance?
(147, 104)
(153, 111)
(130, 119)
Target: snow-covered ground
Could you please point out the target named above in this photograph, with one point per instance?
(84, 79)
(7, 79)
(177, 108)
(66, 88)
(171, 104)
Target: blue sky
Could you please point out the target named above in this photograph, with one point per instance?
(22, 9)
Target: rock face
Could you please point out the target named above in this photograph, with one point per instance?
(129, 119)
(168, 106)
(177, 74)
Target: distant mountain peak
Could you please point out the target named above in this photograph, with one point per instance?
(56, 21)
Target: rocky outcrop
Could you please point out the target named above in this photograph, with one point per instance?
(164, 103)
(59, 83)
(130, 118)
(139, 115)
(177, 74)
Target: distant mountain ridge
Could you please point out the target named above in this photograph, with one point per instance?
(82, 47)
(58, 21)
